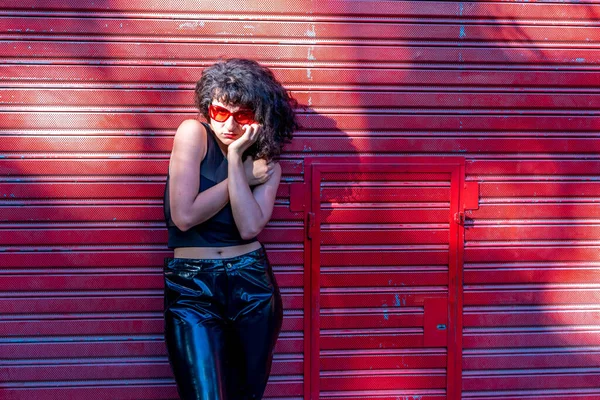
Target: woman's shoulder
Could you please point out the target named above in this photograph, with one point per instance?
(191, 137)
(192, 126)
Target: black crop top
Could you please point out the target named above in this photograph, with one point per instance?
(218, 231)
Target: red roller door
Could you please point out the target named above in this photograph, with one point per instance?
(90, 96)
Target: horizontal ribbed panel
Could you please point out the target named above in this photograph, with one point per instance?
(91, 94)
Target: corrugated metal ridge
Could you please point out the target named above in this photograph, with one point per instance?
(125, 225)
(534, 393)
(534, 222)
(75, 361)
(190, 20)
(301, 88)
(53, 24)
(491, 178)
(85, 270)
(571, 43)
(65, 317)
(531, 309)
(102, 316)
(349, 226)
(84, 156)
(79, 249)
(534, 350)
(534, 157)
(552, 11)
(107, 292)
(115, 360)
(300, 54)
(537, 371)
(367, 310)
(384, 372)
(532, 264)
(273, 378)
(542, 199)
(105, 338)
(527, 243)
(382, 392)
(73, 339)
(348, 269)
(556, 286)
(365, 112)
(424, 76)
(79, 203)
(94, 178)
(369, 332)
(456, 67)
(558, 45)
(120, 225)
(530, 329)
(398, 247)
(95, 383)
(390, 183)
(381, 289)
(391, 205)
(407, 351)
(376, 132)
(112, 382)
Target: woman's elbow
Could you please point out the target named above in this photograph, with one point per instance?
(182, 223)
(250, 233)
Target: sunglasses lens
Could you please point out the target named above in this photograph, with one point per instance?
(244, 117)
(219, 114)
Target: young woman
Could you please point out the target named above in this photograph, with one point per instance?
(223, 309)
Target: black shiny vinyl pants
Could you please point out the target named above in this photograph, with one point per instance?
(222, 319)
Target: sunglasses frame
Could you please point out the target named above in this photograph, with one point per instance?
(214, 109)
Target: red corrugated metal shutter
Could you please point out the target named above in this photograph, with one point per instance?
(91, 93)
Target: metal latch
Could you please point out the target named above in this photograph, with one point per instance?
(459, 218)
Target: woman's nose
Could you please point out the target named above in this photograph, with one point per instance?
(230, 123)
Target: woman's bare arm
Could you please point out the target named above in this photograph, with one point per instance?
(252, 209)
(188, 207)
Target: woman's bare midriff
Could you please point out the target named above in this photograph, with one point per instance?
(215, 252)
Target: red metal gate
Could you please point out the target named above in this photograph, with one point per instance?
(383, 252)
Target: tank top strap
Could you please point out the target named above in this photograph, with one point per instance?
(214, 165)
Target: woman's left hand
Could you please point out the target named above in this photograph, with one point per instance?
(240, 145)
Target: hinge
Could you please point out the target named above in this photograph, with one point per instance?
(310, 224)
(459, 218)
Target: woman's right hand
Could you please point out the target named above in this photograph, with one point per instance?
(257, 171)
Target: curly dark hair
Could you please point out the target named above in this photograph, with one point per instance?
(246, 83)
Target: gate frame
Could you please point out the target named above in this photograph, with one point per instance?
(463, 196)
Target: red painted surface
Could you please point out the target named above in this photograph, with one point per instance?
(392, 294)
(92, 92)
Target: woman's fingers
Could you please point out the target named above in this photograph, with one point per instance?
(247, 132)
(251, 131)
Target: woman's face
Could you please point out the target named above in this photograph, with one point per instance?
(230, 129)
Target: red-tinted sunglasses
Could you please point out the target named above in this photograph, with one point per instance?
(221, 114)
